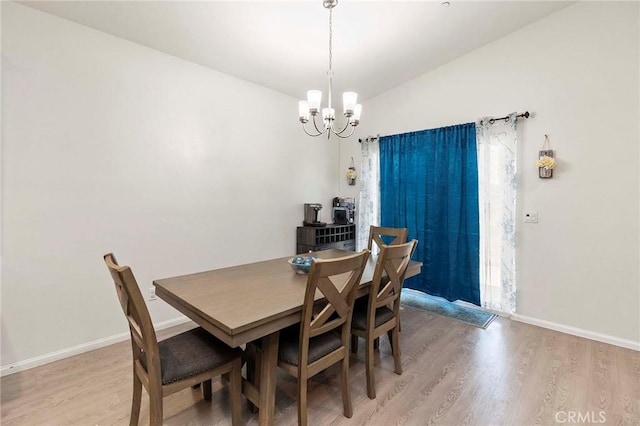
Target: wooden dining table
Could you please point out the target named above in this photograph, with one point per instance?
(245, 303)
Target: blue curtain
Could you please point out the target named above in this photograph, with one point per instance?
(429, 184)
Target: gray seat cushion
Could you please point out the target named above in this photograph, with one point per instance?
(359, 319)
(192, 352)
(319, 346)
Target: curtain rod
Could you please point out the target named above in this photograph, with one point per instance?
(506, 118)
(369, 138)
(491, 120)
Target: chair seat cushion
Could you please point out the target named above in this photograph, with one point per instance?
(359, 319)
(191, 353)
(319, 346)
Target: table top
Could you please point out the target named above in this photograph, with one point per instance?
(242, 303)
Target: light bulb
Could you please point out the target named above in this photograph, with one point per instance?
(349, 100)
(314, 97)
(354, 120)
(357, 111)
(328, 115)
(303, 111)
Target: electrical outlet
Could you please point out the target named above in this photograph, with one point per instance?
(152, 293)
(531, 217)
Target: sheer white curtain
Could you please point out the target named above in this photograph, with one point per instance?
(369, 205)
(497, 198)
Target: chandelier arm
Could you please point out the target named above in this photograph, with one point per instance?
(304, 127)
(339, 132)
(353, 129)
(316, 126)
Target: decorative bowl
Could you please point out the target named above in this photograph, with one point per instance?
(301, 265)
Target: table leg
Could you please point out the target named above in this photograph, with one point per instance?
(268, 365)
(251, 387)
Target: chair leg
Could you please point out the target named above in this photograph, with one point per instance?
(376, 343)
(344, 383)
(302, 401)
(371, 386)
(155, 408)
(354, 344)
(235, 392)
(135, 403)
(395, 347)
(207, 389)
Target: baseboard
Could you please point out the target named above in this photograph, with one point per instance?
(100, 343)
(79, 349)
(599, 337)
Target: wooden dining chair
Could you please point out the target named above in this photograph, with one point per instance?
(173, 364)
(379, 313)
(386, 236)
(322, 337)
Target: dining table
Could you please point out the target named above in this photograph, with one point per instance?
(251, 302)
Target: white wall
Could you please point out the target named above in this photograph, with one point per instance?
(578, 72)
(111, 146)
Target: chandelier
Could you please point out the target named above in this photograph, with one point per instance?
(309, 109)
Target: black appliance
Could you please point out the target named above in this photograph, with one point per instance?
(344, 211)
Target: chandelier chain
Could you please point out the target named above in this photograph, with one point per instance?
(330, 39)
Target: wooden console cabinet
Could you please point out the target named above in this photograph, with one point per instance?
(311, 238)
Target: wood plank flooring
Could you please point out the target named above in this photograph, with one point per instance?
(454, 374)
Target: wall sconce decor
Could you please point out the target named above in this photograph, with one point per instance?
(351, 174)
(546, 163)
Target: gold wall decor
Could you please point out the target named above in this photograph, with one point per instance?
(351, 174)
(546, 161)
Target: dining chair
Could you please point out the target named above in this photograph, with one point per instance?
(321, 339)
(173, 364)
(381, 236)
(379, 312)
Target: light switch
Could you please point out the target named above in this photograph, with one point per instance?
(531, 217)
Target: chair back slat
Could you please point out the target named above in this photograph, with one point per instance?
(380, 235)
(386, 300)
(326, 327)
(395, 266)
(143, 336)
(390, 272)
(337, 302)
(136, 333)
(337, 280)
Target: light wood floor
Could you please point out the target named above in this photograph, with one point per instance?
(454, 374)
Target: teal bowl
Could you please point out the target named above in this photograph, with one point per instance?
(300, 268)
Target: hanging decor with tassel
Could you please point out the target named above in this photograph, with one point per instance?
(546, 163)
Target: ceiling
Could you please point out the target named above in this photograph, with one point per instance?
(283, 45)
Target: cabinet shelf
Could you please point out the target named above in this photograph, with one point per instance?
(311, 238)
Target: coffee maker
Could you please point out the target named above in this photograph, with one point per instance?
(312, 215)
